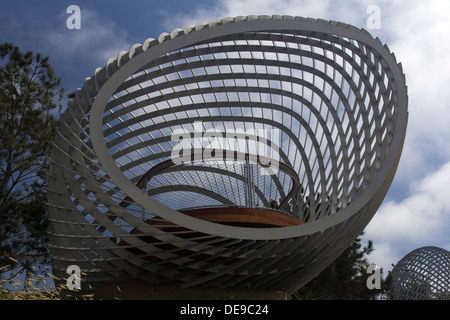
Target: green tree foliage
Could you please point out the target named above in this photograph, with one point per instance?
(29, 92)
(344, 279)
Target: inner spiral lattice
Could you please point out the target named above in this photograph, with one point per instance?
(249, 151)
(423, 274)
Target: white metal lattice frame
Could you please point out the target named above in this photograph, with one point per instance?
(422, 274)
(337, 96)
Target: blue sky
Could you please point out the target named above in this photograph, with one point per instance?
(416, 211)
(106, 28)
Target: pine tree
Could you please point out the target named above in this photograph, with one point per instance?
(29, 92)
(344, 279)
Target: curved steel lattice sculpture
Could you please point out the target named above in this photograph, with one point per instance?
(423, 274)
(309, 119)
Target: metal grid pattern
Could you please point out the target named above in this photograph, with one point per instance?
(223, 182)
(331, 98)
(423, 274)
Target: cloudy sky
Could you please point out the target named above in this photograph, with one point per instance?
(416, 211)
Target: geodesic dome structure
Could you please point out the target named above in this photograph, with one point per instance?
(244, 152)
(422, 274)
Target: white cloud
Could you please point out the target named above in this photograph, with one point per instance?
(420, 219)
(96, 41)
(384, 256)
(74, 54)
(352, 12)
(419, 36)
